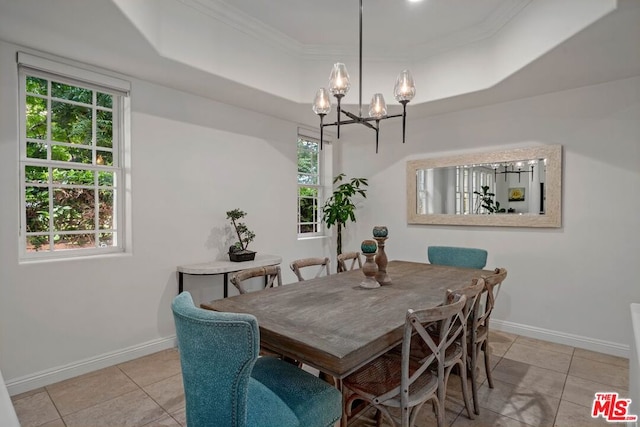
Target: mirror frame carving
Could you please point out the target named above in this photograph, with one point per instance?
(553, 188)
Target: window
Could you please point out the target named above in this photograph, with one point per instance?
(71, 160)
(467, 201)
(310, 187)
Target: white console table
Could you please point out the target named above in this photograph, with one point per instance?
(224, 267)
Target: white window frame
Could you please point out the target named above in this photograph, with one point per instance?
(324, 181)
(62, 72)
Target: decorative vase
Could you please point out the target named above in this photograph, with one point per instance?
(370, 268)
(380, 233)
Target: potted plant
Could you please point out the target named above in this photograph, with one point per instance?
(339, 208)
(238, 251)
(486, 201)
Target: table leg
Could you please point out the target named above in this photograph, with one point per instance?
(226, 285)
(180, 282)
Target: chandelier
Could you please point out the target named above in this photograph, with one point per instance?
(509, 168)
(339, 84)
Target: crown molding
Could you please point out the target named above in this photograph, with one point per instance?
(484, 30)
(227, 14)
(246, 24)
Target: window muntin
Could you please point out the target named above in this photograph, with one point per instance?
(310, 187)
(71, 170)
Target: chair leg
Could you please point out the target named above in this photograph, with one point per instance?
(441, 398)
(487, 364)
(439, 411)
(465, 389)
(474, 377)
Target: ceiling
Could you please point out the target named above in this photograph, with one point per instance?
(272, 56)
(389, 27)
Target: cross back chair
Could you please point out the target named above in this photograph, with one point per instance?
(404, 382)
(470, 311)
(298, 265)
(457, 257)
(479, 328)
(227, 384)
(271, 274)
(456, 355)
(354, 257)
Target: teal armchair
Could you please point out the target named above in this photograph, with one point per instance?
(457, 257)
(227, 384)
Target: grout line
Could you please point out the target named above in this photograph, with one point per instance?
(55, 406)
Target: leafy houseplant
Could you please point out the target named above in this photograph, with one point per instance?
(339, 208)
(486, 201)
(238, 251)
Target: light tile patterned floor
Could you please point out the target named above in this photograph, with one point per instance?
(537, 383)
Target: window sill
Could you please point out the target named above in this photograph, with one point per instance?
(312, 237)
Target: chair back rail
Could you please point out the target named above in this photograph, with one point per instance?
(298, 265)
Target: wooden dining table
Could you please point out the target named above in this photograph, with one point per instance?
(336, 326)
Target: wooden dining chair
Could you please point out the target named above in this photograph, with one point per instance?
(343, 259)
(271, 274)
(456, 355)
(457, 256)
(400, 381)
(479, 329)
(306, 263)
(471, 309)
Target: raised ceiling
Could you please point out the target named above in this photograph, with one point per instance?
(271, 56)
(391, 29)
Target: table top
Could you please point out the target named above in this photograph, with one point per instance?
(333, 324)
(226, 266)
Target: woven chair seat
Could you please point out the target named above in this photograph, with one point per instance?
(384, 374)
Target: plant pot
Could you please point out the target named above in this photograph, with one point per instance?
(239, 256)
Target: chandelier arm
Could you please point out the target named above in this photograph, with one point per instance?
(338, 97)
(321, 129)
(404, 119)
(357, 119)
(377, 133)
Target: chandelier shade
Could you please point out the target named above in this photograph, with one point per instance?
(404, 91)
(405, 88)
(377, 108)
(339, 81)
(322, 102)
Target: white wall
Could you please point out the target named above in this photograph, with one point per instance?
(572, 284)
(192, 160)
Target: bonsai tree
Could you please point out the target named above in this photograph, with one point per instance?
(339, 208)
(245, 236)
(486, 201)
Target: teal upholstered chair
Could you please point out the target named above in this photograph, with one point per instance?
(457, 257)
(227, 384)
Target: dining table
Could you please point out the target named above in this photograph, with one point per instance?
(336, 326)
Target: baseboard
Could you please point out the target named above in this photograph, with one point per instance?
(607, 347)
(61, 373)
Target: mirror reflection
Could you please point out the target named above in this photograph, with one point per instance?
(520, 187)
(515, 187)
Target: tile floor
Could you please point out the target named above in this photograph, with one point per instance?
(537, 383)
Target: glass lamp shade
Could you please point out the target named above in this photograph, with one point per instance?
(322, 102)
(405, 88)
(339, 83)
(377, 108)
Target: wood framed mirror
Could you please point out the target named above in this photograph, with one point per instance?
(512, 188)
